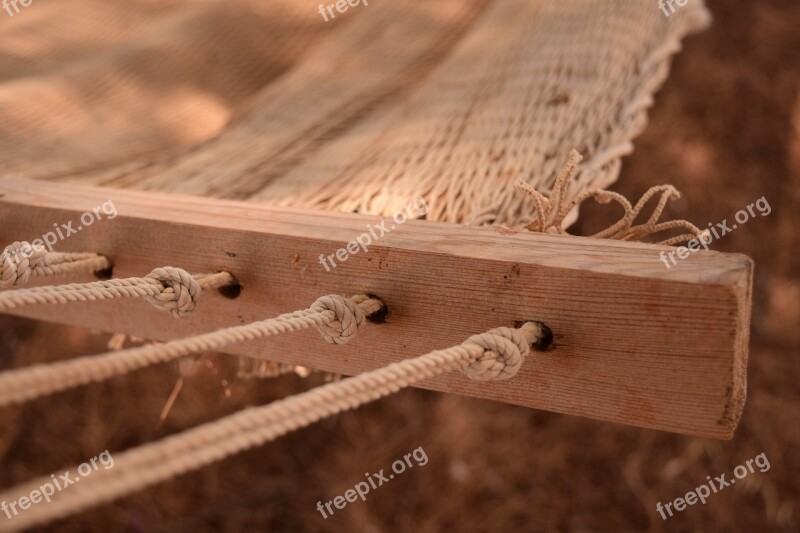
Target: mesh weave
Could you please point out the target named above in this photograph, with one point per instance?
(263, 100)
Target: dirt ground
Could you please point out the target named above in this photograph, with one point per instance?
(725, 131)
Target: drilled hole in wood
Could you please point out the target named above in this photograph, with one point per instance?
(106, 273)
(231, 290)
(545, 342)
(379, 317)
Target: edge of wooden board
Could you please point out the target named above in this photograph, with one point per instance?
(672, 340)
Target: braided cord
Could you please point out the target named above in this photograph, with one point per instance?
(337, 318)
(192, 449)
(169, 288)
(22, 261)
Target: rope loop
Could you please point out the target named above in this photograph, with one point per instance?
(184, 293)
(504, 350)
(349, 318)
(19, 260)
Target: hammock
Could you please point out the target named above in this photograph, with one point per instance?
(502, 114)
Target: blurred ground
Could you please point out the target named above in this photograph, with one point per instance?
(725, 131)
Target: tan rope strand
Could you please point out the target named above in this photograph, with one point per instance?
(496, 354)
(86, 264)
(39, 380)
(168, 288)
(552, 210)
(22, 260)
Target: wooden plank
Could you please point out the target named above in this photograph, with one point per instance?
(636, 343)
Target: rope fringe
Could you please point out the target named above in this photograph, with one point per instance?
(496, 354)
(551, 210)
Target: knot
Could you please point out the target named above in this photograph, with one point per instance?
(181, 290)
(20, 259)
(349, 318)
(504, 350)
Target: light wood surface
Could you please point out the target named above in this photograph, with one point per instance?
(635, 342)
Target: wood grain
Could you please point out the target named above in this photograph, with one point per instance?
(635, 342)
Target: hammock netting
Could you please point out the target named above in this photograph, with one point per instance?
(451, 100)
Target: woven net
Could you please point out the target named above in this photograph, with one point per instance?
(451, 100)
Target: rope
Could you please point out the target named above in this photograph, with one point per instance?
(338, 319)
(21, 261)
(169, 288)
(496, 354)
(552, 210)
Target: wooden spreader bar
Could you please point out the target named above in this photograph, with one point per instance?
(635, 342)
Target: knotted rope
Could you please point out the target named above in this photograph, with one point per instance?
(337, 318)
(496, 354)
(169, 288)
(22, 260)
(552, 210)
(347, 313)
